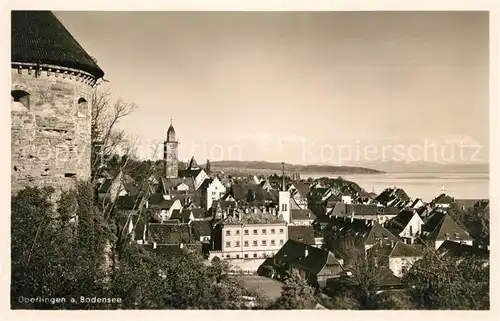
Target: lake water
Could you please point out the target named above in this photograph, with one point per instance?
(424, 185)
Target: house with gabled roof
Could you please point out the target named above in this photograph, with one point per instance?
(180, 184)
(407, 225)
(441, 227)
(247, 194)
(368, 212)
(416, 204)
(195, 172)
(161, 207)
(301, 233)
(189, 215)
(443, 201)
(112, 188)
(317, 266)
(211, 190)
(398, 257)
(368, 233)
(161, 233)
(331, 201)
(395, 196)
(202, 230)
(461, 251)
(129, 204)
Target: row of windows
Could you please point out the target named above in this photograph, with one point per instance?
(254, 243)
(255, 232)
(246, 256)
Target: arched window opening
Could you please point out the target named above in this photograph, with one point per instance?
(82, 108)
(20, 98)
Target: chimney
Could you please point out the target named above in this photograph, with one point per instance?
(306, 252)
(255, 210)
(181, 245)
(154, 245)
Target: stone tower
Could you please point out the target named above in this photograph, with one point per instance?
(52, 83)
(170, 150)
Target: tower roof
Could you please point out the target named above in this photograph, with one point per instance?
(39, 37)
(193, 164)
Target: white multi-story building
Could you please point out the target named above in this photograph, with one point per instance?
(252, 241)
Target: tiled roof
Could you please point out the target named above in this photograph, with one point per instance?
(333, 199)
(223, 205)
(400, 221)
(170, 250)
(302, 188)
(201, 228)
(460, 250)
(206, 183)
(157, 200)
(390, 194)
(386, 278)
(304, 234)
(240, 192)
(377, 233)
(360, 209)
(193, 164)
(199, 212)
(363, 209)
(301, 214)
(177, 215)
(168, 184)
(273, 195)
(294, 253)
(447, 228)
(318, 209)
(186, 173)
(39, 37)
(168, 233)
(404, 250)
(433, 221)
(443, 199)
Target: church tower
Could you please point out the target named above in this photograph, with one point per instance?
(170, 152)
(284, 199)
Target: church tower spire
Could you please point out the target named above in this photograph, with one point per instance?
(170, 153)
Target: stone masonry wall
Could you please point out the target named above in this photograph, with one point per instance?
(50, 138)
(171, 161)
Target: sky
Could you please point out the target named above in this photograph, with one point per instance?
(300, 87)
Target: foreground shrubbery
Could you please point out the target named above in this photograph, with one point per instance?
(55, 256)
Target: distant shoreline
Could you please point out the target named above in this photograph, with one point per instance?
(270, 168)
